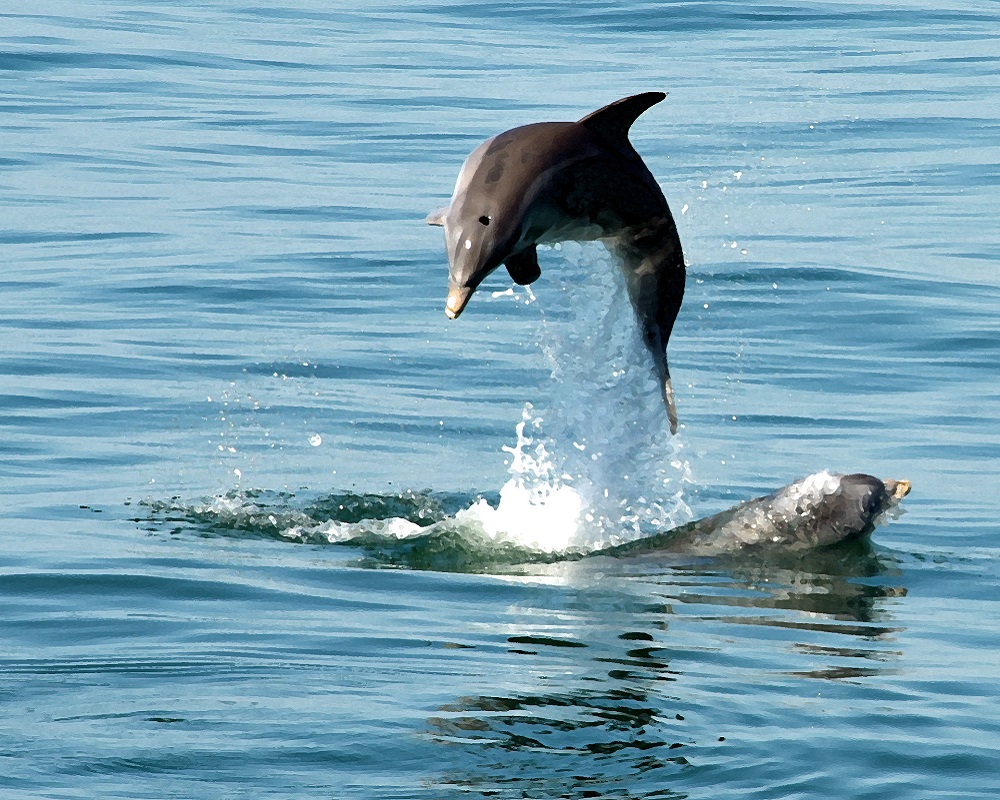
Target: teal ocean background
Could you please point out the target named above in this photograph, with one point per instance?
(262, 502)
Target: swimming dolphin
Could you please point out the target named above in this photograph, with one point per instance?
(819, 511)
(557, 181)
(810, 516)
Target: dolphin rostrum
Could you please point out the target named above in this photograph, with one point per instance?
(557, 181)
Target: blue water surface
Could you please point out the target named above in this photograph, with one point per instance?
(222, 324)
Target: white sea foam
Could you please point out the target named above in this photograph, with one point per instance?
(805, 495)
(334, 531)
(536, 508)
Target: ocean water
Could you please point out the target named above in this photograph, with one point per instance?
(273, 527)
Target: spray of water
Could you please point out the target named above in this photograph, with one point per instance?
(594, 462)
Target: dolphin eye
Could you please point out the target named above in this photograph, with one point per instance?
(485, 220)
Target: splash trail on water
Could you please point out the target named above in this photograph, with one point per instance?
(593, 463)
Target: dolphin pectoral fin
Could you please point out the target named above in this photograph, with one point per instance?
(437, 216)
(668, 401)
(614, 120)
(523, 267)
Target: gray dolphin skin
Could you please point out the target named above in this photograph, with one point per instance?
(819, 511)
(559, 181)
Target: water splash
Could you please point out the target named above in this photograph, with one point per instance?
(537, 508)
(594, 462)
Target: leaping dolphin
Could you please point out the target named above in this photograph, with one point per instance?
(557, 181)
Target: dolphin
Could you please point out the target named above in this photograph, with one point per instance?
(817, 512)
(814, 515)
(556, 181)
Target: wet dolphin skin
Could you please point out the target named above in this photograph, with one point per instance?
(558, 181)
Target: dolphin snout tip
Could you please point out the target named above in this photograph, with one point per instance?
(458, 296)
(898, 489)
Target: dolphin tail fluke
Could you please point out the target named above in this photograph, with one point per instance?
(654, 275)
(668, 401)
(612, 122)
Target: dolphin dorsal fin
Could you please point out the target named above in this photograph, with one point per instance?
(613, 121)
